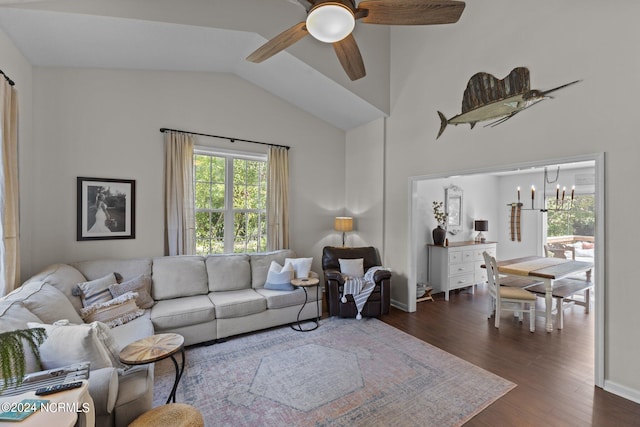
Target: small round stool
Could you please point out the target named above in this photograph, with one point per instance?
(171, 414)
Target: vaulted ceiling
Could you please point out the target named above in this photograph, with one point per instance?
(205, 36)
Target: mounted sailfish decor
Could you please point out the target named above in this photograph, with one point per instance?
(488, 98)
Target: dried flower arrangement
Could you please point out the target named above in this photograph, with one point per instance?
(439, 214)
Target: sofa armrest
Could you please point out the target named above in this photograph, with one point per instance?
(103, 388)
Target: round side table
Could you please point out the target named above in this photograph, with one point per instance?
(304, 284)
(154, 348)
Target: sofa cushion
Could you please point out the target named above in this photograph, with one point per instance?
(64, 278)
(280, 299)
(141, 285)
(179, 312)
(14, 315)
(46, 302)
(67, 344)
(178, 276)
(237, 303)
(132, 331)
(228, 272)
(260, 263)
(96, 291)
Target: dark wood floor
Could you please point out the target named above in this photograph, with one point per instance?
(553, 371)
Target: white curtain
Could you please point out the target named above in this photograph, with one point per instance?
(9, 193)
(278, 199)
(178, 194)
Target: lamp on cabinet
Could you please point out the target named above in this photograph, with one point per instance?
(481, 225)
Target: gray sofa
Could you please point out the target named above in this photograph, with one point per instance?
(201, 298)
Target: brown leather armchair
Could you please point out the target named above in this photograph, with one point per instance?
(379, 301)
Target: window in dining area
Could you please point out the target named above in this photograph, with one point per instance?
(571, 232)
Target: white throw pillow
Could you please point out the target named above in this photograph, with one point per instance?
(301, 266)
(352, 267)
(67, 344)
(279, 277)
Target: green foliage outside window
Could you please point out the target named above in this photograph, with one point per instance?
(579, 221)
(245, 229)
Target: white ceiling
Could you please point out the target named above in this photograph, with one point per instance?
(61, 39)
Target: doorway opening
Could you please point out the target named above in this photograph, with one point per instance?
(489, 192)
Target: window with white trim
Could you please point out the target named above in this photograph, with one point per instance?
(230, 201)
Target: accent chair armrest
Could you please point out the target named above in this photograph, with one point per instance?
(333, 275)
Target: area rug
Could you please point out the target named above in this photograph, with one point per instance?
(345, 373)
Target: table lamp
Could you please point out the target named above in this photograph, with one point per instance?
(344, 224)
(481, 225)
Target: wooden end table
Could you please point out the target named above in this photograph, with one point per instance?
(154, 348)
(59, 411)
(304, 284)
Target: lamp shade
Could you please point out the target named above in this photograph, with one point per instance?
(330, 22)
(343, 223)
(481, 225)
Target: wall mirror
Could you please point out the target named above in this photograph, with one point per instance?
(453, 206)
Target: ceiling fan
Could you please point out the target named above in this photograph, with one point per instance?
(332, 21)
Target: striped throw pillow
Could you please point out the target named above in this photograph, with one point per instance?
(96, 291)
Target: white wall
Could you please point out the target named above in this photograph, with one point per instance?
(559, 42)
(364, 194)
(480, 201)
(105, 123)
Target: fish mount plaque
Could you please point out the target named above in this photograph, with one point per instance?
(489, 98)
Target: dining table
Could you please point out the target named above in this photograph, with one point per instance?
(545, 269)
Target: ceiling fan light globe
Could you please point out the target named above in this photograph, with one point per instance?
(330, 22)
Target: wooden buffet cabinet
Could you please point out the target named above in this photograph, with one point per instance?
(457, 265)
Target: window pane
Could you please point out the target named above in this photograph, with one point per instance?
(217, 196)
(251, 232)
(578, 221)
(203, 195)
(209, 232)
(202, 168)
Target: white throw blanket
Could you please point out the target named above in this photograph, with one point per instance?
(360, 288)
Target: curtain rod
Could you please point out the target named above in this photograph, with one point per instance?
(11, 82)
(163, 130)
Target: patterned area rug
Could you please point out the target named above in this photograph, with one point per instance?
(345, 373)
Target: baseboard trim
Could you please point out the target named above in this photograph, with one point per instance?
(399, 305)
(622, 391)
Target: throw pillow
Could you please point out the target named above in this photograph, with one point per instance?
(352, 267)
(138, 284)
(96, 291)
(47, 302)
(115, 312)
(67, 344)
(279, 277)
(301, 266)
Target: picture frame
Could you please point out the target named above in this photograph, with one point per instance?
(106, 209)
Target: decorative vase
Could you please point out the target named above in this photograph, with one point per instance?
(439, 234)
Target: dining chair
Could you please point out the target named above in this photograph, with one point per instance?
(503, 295)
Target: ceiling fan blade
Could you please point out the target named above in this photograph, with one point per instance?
(350, 57)
(279, 42)
(410, 12)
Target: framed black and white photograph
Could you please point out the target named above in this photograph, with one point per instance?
(106, 209)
